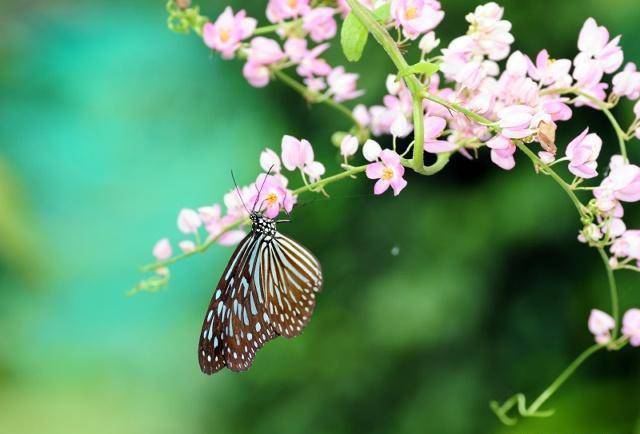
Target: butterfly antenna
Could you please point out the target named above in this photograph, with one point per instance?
(239, 193)
(260, 191)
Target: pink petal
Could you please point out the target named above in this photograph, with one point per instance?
(374, 170)
(381, 186)
(398, 185)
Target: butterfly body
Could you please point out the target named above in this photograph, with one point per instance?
(267, 290)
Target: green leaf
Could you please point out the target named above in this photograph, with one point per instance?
(426, 68)
(383, 13)
(353, 38)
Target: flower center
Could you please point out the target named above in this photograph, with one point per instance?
(292, 3)
(411, 13)
(271, 199)
(224, 35)
(387, 173)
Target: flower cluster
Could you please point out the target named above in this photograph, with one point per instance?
(296, 23)
(521, 100)
(523, 103)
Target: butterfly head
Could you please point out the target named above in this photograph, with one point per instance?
(261, 224)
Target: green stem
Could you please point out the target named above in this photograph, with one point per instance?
(440, 163)
(613, 290)
(418, 134)
(457, 107)
(266, 29)
(603, 106)
(314, 97)
(331, 179)
(383, 37)
(274, 27)
(553, 387)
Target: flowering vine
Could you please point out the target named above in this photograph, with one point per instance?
(475, 93)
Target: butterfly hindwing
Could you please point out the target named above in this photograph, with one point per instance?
(293, 277)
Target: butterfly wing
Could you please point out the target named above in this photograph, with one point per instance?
(235, 325)
(290, 277)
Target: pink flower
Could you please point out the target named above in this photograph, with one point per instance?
(400, 127)
(388, 171)
(557, 108)
(348, 146)
(273, 196)
(188, 221)
(342, 85)
(583, 152)
(229, 238)
(600, 325)
(518, 64)
(631, 326)
(502, 150)
(310, 64)
(162, 250)
(515, 121)
(546, 157)
(488, 32)
(636, 110)
(392, 84)
(215, 224)
(594, 43)
(315, 84)
(320, 24)
(235, 202)
(627, 245)
(314, 170)
(548, 71)
(428, 43)
(416, 16)
(187, 246)
(361, 115)
(295, 49)
(226, 33)
(371, 150)
(627, 82)
(256, 74)
(624, 179)
(296, 153)
(209, 214)
(269, 161)
(279, 10)
(433, 128)
(588, 74)
(264, 51)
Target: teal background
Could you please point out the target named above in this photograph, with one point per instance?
(110, 124)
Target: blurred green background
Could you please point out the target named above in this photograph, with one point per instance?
(111, 124)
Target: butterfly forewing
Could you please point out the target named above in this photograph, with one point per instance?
(233, 328)
(267, 289)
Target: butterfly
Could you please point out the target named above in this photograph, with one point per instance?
(268, 289)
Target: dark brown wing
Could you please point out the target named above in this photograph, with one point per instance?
(234, 327)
